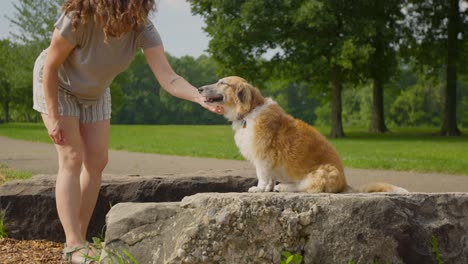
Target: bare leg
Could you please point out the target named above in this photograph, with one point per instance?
(95, 138)
(67, 186)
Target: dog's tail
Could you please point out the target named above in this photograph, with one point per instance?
(377, 187)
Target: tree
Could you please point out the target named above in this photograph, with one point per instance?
(6, 49)
(135, 94)
(313, 42)
(198, 72)
(15, 82)
(438, 29)
(139, 99)
(418, 104)
(381, 30)
(34, 20)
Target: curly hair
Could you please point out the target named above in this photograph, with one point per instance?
(116, 17)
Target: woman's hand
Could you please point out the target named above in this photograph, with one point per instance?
(217, 109)
(55, 132)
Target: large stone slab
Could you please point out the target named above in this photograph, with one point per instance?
(324, 228)
(30, 204)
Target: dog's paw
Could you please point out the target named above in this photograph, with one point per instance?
(278, 188)
(256, 189)
(283, 188)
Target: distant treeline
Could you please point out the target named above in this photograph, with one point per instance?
(339, 63)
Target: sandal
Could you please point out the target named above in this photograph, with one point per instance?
(104, 257)
(85, 258)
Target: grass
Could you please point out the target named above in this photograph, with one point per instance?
(7, 174)
(406, 149)
(121, 256)
(3, 232)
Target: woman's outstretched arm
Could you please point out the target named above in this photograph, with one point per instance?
(173, 83)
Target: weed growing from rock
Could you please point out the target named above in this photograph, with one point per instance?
(435, 250)
(290, 258)
(3, 233)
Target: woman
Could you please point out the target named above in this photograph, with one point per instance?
(93, 41)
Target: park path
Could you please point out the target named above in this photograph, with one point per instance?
(41, 158)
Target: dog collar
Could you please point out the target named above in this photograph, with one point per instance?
(243, 123)
(242, 120)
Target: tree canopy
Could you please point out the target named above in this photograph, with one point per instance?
(336, 44)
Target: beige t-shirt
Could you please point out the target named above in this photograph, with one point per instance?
(93, 64)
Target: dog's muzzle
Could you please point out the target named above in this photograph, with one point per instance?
(210, 94)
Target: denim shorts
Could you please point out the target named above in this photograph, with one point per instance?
(69, 104)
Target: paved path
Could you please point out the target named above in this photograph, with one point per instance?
(41, 158)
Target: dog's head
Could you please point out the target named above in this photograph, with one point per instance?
(235, 94)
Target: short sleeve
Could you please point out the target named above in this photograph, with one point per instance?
(149, 37)
(65, 27)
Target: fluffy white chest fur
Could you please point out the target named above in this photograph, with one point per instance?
(244, 131)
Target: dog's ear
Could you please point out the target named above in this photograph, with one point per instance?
(244, 93)
(244, 97)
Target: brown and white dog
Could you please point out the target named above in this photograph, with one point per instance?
(281, 147)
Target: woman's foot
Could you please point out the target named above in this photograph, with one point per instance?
(84, 254)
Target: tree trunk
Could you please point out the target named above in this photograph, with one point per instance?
(449, 127)
(378, 65)
(6, 103)
(378, 118)
(27, 116)
(337, 87)
(6, 110)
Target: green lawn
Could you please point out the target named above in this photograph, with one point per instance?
(7, 174)
(416, 149)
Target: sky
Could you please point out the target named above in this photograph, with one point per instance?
(181, 32)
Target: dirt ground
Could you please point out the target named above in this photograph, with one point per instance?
(29, 252)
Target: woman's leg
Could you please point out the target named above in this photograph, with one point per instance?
(67, 186)
(95, 138)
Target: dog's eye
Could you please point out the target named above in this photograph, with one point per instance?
(222, 83)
